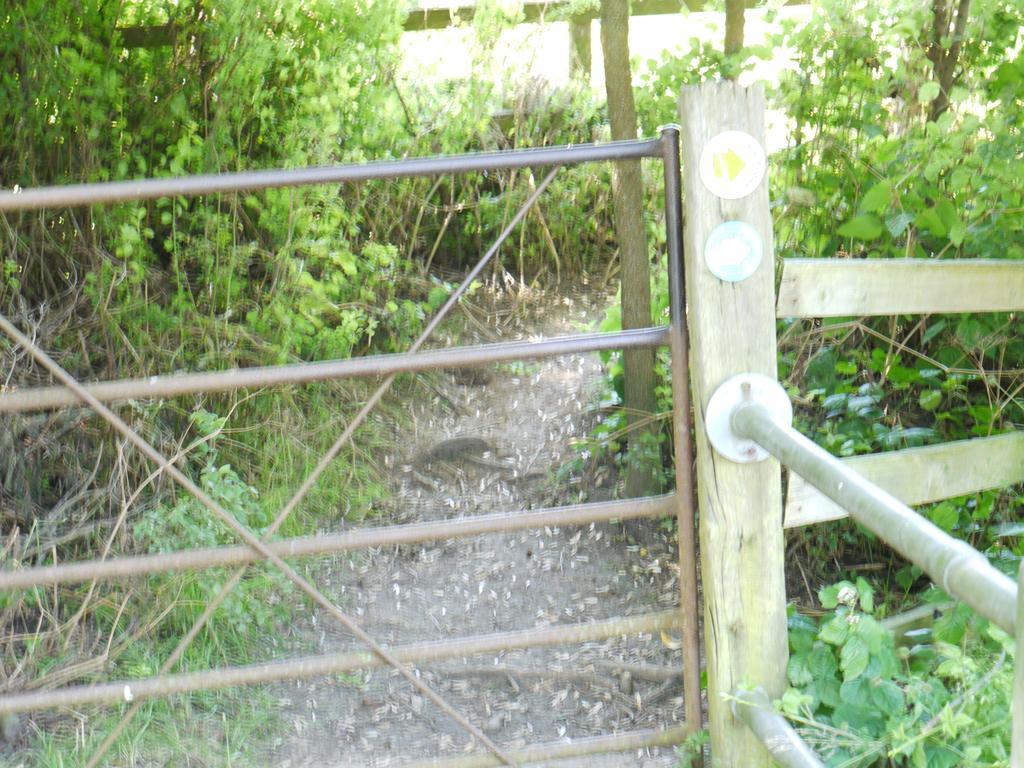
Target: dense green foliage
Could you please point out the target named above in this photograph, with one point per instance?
(329, 272)
(861, 701)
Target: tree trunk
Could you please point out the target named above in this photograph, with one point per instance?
(640, 401)
(579, 50)
(944, 60)
(734, 10)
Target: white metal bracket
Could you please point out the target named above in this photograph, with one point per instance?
(744, 387)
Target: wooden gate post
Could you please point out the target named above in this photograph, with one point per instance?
(730, 290)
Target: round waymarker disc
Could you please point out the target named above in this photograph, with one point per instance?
(732, 393)
(733, 251)
(732, 164)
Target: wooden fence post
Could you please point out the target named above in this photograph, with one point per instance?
(730, 290)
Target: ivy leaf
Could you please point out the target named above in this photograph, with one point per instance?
(854, 657)
(944, 515)
(930, 399)
(897, 224)
(863, 226)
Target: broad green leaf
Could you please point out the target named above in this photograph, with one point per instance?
(866, 595)
(929, 399)
(854, 657)
(863, 226)
(835, 631)
(928, 92)
(930, 220)
(888, 697)
(944, 515)
(876, 199)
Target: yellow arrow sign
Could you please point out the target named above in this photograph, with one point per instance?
(728, 164)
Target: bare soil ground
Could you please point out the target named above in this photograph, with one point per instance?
(529, 415)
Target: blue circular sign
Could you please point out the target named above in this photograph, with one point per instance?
(733, 251)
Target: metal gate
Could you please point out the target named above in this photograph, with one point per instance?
(71, 392)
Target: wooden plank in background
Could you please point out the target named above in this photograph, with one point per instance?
(858, 287)
(439, 18)
(919, 475)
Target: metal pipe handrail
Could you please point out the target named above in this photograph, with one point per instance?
(360, 538)
(174, 385)
(782, 742)
(205, 184)
(958, 568)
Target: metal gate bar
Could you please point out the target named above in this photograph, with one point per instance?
(245, 534)
(380, 536)
(141, 689)
(307, 485)
(149, 189)
(175, 385)
(560, 750)
(665, 148)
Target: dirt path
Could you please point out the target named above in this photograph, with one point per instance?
(527, 414)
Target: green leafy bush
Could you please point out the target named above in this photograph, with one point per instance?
(860, 700)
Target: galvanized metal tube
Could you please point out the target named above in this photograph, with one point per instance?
(198, 559)
(148, 189)
(561, 750)
(954, 565)
(175, 385)
(335, 663)
(1017, 734)
(782, 742)
(681, 425)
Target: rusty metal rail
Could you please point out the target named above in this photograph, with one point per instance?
(381, 536)
(72, 393)
(244, 181)
(175, 385)
(334, 663)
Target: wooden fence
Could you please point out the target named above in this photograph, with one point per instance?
(732, 308)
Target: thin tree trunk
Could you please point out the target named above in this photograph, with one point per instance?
(944, 60)
(579, 51)
(734, 10)
(628, 195)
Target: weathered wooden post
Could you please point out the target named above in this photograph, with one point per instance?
(730, 289)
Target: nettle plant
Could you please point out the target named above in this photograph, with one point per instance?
(860, 700)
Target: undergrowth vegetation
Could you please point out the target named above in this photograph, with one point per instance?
(869, 170)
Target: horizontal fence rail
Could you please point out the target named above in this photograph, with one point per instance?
(860, 287)
(958, 568)
(782, 742)
(198, 559)
(335, 663)
(206, 184)
(918, 475)
(174, 385)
